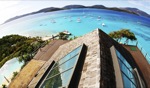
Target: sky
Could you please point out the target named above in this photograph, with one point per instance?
(12, 8)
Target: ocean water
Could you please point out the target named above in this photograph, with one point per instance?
(8, 68)
(79, 22)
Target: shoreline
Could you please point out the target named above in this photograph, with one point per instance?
(9, 78)
(46, 38)
(69, 7)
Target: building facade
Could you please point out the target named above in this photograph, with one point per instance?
(92, 61)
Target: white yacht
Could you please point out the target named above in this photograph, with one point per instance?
(98, 18)
(53, 21)
(103, 24)
(78, 20)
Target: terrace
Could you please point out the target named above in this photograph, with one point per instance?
(140, 60)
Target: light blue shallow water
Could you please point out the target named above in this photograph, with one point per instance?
(42, 24)
(8, 68)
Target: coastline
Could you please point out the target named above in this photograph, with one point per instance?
(9, 78)
(46, 38)
(134, 11)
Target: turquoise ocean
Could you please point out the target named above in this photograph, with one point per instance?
(79, 22)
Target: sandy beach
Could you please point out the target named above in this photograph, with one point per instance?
(46, 38)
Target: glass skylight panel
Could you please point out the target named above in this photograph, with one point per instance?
(126, 69)
(60, 80)
(70, 55)
(61, 73)
(62, 67)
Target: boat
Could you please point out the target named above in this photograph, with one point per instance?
(103, 24)
(66, 32)
(78, 20)
(98, 18)
(65, 17)
(70, 20)
(84, 16)
(53, 21)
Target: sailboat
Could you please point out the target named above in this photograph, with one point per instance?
(103, 24)
(78, 20)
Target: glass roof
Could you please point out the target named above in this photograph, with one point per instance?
(61, 73)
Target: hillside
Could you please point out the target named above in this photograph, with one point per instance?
(50, 9)
(17, 46)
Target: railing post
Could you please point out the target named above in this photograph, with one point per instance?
(145, 55)
(141, 49)
(136, 43)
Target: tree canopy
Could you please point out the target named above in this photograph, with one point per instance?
(123, 33)
(63, 36)
(16, 46)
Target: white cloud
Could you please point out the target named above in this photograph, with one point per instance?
(7, 9)
(7, 4)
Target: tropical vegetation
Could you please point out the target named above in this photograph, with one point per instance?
(18, 46)
(14, 75)
(123, 33)
(63, 36)
(4, 86)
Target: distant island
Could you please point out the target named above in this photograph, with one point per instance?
(50, 9)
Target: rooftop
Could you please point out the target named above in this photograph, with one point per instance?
(47, 51)
(95, 66)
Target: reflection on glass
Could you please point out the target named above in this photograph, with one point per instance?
(127, 82)
(70, 55)
(123, 60)
(60, 75)
(126, 70)
(58, 81)
(54, 82)
(127, 75)
(70, 63)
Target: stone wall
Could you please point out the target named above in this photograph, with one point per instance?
(107, 69)
(90, 76)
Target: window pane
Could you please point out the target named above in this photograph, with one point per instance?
(70, 63)
(70, 55)
(60, 80)
(125, 62)
(126, 70)
(60, 75)
(77, 50)
(127, 82)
